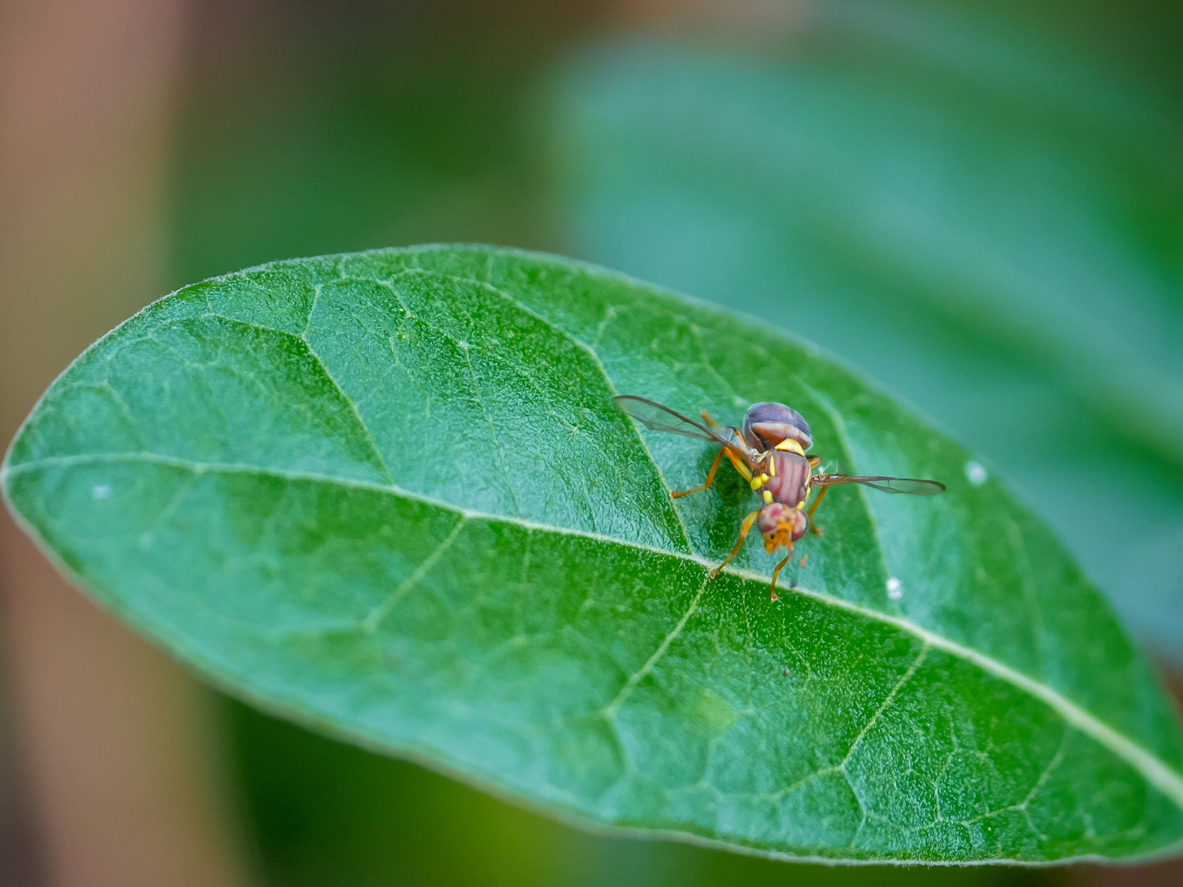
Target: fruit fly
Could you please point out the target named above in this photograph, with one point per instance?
(769, 450)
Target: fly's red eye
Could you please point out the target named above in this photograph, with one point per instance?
(800, 524)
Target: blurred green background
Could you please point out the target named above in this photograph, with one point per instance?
(980, 206)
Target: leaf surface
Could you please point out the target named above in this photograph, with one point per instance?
(388, 495)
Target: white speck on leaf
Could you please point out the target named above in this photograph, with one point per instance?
(893, 589)
(976, 473)
(100, 491)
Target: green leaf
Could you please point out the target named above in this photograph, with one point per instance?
(388, 495)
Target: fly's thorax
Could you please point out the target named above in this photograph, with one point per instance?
(781, 525)
(783, 477)
(767, 424)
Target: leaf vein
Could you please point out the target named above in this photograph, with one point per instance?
(578, 343)
(899, 685)
(374, 617)
(641, 673)
(328, 375)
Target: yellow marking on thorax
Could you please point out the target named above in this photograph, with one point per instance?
(790, 446)
(771, 466)
(758, 481)
(768, 497)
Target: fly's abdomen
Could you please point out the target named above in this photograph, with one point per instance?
(788, 475)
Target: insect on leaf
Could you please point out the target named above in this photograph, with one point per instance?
(389, 494)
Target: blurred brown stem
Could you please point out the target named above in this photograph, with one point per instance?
(117, 762)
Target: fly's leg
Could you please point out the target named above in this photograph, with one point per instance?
(776, 572)
(706, 417)
(743, 534)
(678, 494)
(814, 528)
(740, 465)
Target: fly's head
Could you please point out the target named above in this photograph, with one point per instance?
(781, 525)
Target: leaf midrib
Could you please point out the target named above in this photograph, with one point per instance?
(1153, 770)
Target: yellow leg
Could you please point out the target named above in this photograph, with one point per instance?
(740, 465)
(776, 572)
(706, 417)
(678, 494)
(743, 534)
(814, 528)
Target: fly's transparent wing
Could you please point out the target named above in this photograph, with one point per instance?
(830, 466)
(659, 418)
(908, 485)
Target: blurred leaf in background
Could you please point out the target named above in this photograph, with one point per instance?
(984, 212)
(311, 127)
